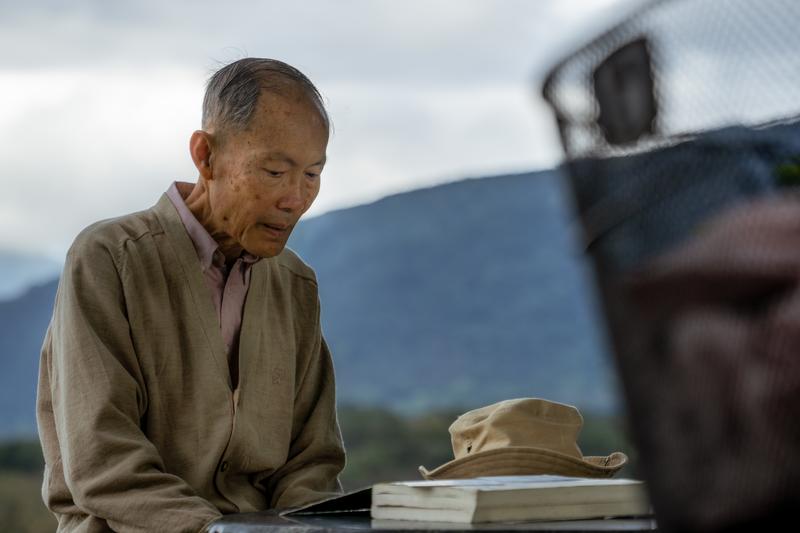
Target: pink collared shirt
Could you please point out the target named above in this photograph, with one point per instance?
(228, 289)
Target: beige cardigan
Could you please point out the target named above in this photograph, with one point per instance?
(140, 428)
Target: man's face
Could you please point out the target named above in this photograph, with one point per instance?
(268, 175)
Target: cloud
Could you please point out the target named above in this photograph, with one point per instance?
(110, 142)
(100, 97)
(444, 41)
(88, 145)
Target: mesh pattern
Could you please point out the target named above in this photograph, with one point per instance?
(682, 111)
(698, 117)
(715, 63)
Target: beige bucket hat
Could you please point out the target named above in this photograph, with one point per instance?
(525, 436)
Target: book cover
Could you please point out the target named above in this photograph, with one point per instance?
(509, 498)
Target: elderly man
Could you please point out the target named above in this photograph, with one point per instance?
(184, 373)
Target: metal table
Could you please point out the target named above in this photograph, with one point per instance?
(270, 522)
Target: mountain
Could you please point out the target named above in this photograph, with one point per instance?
(19, 271)
(23, 322)
(465, 293)
(457, 295)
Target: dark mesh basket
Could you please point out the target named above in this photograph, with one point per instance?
(692, 103)
(682, 111)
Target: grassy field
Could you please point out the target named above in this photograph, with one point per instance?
(21, 507)
(381, 446)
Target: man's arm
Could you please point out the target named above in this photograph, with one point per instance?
(98, 394)
(316, 455)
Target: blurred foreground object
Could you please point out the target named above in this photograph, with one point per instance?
(675, 122)
(720, 325)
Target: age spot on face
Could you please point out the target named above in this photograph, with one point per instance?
(258, 197)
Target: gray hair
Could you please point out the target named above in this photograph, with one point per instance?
(232, 92)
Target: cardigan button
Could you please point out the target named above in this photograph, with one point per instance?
(224, 466)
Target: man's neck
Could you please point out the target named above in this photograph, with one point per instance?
(197, 200)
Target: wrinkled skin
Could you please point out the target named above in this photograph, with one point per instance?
(255, 184)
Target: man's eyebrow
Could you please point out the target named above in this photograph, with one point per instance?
(280, 156)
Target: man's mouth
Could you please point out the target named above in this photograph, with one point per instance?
(276, 227)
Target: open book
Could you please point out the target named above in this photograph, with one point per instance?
(509, 498)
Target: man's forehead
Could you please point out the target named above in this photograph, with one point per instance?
(287, 122)
(283, 157)
(287, 102)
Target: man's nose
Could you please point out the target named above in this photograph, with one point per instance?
(293, 195)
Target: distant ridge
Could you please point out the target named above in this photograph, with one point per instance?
(456, 295)
(19, 271)
(23, 322)
(464, 293)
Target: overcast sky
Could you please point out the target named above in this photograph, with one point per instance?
(99, 98)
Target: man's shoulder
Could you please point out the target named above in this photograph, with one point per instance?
(110, 235)
(292, 264)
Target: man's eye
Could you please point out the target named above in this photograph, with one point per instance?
(273, 173)
(312, 175)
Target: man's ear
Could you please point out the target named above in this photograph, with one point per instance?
(200, 147)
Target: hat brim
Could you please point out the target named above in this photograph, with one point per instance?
(518, 460)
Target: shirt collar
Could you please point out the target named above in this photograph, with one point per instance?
(204, 244)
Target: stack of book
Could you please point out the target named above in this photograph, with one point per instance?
(509, 498)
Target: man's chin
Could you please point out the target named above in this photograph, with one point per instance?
(266, 250)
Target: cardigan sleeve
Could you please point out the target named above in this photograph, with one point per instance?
(316, 454)
(98, 395)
